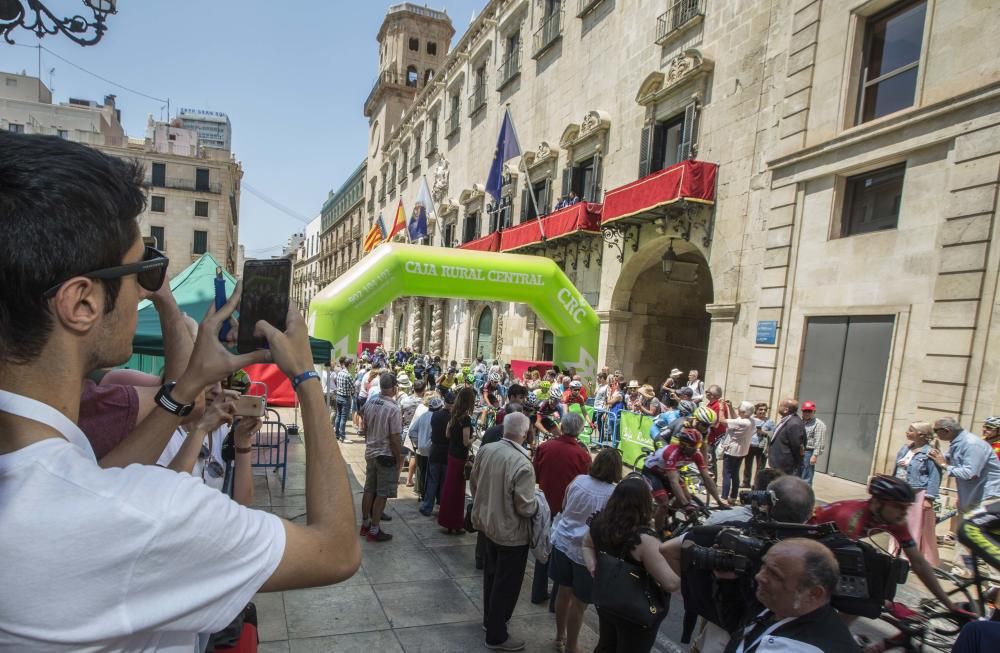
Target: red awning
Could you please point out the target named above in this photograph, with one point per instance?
(489, 243)
(582, 217)
(693, 181)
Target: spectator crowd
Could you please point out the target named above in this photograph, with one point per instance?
(125, 498)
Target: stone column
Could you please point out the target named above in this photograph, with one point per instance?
(417, 324)
(720, 343)
(437, 329)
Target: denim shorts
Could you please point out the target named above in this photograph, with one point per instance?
(567, 573)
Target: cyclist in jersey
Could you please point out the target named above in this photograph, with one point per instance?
(980, 532)
(574, 395)
(549, 407)
(884, 512)
(491, 391)
(660, 470)
(991, 433)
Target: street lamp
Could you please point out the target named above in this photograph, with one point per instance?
(34, 16)
(668, 260)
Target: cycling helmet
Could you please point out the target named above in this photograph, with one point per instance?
(470, 378)
(494, 377)
(575, 385)
(992, 422)
(890, 488)
(705, 415)
(530, 403)
(554, 393)
(686, 407)
(689, 436)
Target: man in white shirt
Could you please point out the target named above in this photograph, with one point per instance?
(140, 557)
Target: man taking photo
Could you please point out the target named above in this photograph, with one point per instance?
(141, 557)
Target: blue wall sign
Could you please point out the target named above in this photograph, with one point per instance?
(767, 332)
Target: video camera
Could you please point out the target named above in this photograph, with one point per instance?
(868, 576)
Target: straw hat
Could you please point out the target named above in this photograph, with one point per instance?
(647, 391)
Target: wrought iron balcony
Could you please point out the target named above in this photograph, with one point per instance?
(681, 14)
(548, 32)
(509, 69)
(477, 100)
(185, 184)
(431, 145)
(586, 6)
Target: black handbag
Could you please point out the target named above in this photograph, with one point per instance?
(469, 528)
(626, 591)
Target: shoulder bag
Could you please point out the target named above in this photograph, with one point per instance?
(626, 590)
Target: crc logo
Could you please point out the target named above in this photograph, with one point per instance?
(572, 306)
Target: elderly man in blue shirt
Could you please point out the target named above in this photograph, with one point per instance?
(971, 460)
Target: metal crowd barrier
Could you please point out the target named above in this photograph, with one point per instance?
(271, 448)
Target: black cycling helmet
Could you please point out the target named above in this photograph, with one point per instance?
(890, 488)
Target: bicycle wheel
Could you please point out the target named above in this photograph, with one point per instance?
(960, 593)
(941, 630)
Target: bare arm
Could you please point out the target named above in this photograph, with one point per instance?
(677, 488)
(187, 455)
(648, 553)
(396, 447)
(589, 554)
(671, 552)
(925, 572)
(219, 413)
(177, 341)
(712, 488)
(326, 549)
(246, 429)
(467, 436)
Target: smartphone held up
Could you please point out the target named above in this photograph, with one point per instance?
(266, 285)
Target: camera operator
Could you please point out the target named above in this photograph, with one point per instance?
(795, 584)
(792, 502)
(885, 511)
(140, 557)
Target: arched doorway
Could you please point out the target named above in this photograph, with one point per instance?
(484, 334)
(667, 324)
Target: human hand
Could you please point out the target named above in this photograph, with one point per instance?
(289, 350)
(163, 296)
(812, 460)
(937, 457)
(210, 360)
(246, 428)
(221, 411)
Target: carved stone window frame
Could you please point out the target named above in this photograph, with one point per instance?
(589, 137)
(666, 93)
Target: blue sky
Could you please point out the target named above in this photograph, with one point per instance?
(292, 77)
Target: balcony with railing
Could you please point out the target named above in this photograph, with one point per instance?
(681, 15)
(390, 77)
(454, 123)
(477, 100)
(431, 145)
(381, 192)
(178, 183)
(548, 32)
(509, 69)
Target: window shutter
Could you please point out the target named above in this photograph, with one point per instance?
(687, 147)
(525, 201)
(644, 154)
(544, 203)
(567, 180)
(595, 182)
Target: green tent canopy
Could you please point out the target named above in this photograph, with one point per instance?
(194, 289)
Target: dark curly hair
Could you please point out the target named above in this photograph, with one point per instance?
(629, 509)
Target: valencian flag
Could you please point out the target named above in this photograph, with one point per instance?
(422, 207)
(399, 223)
(375, 235)
(507, 149)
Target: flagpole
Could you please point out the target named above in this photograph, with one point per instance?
(527, 177)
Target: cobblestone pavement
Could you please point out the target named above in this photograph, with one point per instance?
(419, 592)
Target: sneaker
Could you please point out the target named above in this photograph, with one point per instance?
(510, 644)
(364, 530)
(380, 536)
(426, 513)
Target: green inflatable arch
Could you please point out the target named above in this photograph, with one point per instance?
(395, 270)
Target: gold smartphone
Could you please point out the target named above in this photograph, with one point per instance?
(250, 406)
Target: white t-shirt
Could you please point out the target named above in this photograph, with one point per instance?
(140, 558)
(584, 496)
(199, 470)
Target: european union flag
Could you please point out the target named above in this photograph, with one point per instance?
(507, 149)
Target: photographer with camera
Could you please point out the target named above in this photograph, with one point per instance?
(885, 511)
(787, 499)
(660, 472)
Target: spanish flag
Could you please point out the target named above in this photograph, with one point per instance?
(399, 224)
(375, 235)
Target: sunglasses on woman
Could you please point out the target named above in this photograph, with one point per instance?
(149, 272)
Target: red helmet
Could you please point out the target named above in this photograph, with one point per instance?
(689, 436)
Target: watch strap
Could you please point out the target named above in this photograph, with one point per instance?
(166, 401)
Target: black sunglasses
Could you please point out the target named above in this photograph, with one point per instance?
(149, 272)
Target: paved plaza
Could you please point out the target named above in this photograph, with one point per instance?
(420, 592)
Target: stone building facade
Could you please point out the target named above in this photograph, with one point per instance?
(843, 254)
(306, 280)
